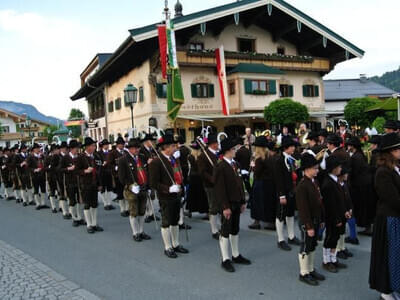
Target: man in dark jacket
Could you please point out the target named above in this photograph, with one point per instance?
(35, 163)
(333, 199)
(22, 171)
(105, 174)
(309, 204)
(206, 163)
(243, 158)
(230, 194)
(133, 175)
(61, 187)
(88, 181)
(51, 162)
(167, 179)
(286, 178)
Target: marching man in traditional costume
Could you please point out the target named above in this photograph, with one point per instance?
(230, 194)
(166, 178)
(36, 166)
(61, 178)
(88, 181)
(309, 204)
(51, 161)
(133, 175)
(22, 171)
(105, 174)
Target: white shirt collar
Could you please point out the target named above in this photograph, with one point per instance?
(167, 157)
(213, 151)
(396, 168)
(70, 154)
(334, 177)
(229, 161)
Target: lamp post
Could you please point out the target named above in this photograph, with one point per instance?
(28, 123)
(130, 95)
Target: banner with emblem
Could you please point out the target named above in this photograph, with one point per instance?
(223, 85)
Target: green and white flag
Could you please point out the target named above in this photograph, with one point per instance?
(175, 97)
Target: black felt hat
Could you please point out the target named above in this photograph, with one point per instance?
(261, 141)
(212, 138)
(288, 142)
(308, 161)
(148, 137)
(88, 141)
(120, 141)
(167, 139)
(375, 139)
(390, 124)
(323, 132)
(227, 144)
(133, 143)
(389, 142)
(104, 142)
(74, 144)
(334, 140)
(63, 144)
(313, 136)
(354, 141)
(332, 162)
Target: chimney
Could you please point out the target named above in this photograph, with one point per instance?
(178, 9)
(363, 78)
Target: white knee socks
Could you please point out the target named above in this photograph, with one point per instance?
(134, 225)
(37, 199)
(174, 235)
(181, 216)
(121, 205)
(53, 203)
(214, 223)
(93, 214)
(311, 257)
(290, 227)
(304, 263)
(88, 217)
(78, 211)
(340, 245)
(234, 239)
(72, 212)
(224, 245)
(25, 198)
(279, 230)
(166, 236)
(326, 252)
(141, 223)
(43, 198)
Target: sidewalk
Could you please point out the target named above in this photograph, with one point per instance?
(23, 277)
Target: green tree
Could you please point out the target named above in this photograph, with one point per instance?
(354, 111)
(285, 112)
(378, 124)
(48, 132)
(75, 114)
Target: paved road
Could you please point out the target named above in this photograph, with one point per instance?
(112, 266)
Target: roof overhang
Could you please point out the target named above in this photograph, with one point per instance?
(150, 31)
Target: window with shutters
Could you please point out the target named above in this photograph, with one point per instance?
(310, 90)
(111, 106)
(118, 104)
(161, 90)
(285, 90)
(141, 94)
(202, 90)
(260, 87)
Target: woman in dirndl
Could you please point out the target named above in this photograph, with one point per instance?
(384, 273)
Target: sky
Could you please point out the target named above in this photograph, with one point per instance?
(46, 44)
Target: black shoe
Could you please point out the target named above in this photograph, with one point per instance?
(111, 207)
(75, 223)
(54, 211)
(137, 238)
(45, 206)
(9, 198)
(341, 254)
(347, 253)
(206, 218)
(255, 226)
(90, 230)
(354, 241)
(24, 204)
(241, 260)
(308, 279)
(215, 236)
(60, 209)
(18, 200)
(330, 267)
(125, 214)
(284, 246)
(170, 253)
(81, 222)
(148, 219)
(145, 236)
(184, 226)
(31, 203)
(317, 276)
(180, 249)
(227, 266)
(97, 228)
(38, 207)
(339, 265)
(67, 217)
(294, 241)
(107, 207)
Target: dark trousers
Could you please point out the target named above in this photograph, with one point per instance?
(119, 189)
(170, 210)
(332, 235)
(52, 186)
(39, 182)
(247, 185)
(308, 244)
(287, 210)
(60, 188)
(25, 182)
(90, 198)
(231, 226)
(73, 195)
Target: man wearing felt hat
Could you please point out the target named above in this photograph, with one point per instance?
(14, 175)
(166, 178)
(6, 174)
(333, 200)
(286, 178)
(309, 205)
(206, 163)
(390, 126)
(105, 174)
(51, 162)
(313, 142)
(229, 193)
(2, 187)
(112, 163)
(132, 172)
(24, 176)
(148, 153)
(35, 163)
(89, 184)
(61, 188)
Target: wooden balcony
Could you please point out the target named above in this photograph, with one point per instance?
(282, 62)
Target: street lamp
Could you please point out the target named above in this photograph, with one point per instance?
(28, 123)
(130, 95)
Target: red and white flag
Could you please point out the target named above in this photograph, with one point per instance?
(162, 40)
(223, 85)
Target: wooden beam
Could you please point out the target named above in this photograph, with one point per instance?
(283, 31)
(311, 44)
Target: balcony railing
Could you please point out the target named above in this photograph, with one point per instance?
(97, 114)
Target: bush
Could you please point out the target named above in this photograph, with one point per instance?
(378, 124)
(354, 111)
(285, 112)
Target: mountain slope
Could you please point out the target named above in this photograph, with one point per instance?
(30, 110)
(389, 79)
